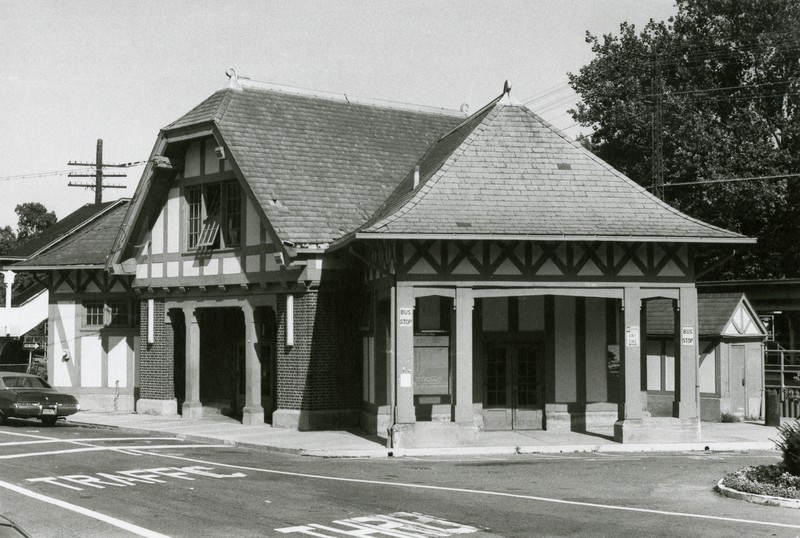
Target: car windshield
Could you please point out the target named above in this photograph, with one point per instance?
(17, 381)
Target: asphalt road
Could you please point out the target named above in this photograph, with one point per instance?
(72, 481)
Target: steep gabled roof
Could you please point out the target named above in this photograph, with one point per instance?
(714, 313)
(506, 173)
(61, 230)
(318, 164)
(88, 246)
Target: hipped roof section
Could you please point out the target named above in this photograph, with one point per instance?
(506, 173)
(87, 247)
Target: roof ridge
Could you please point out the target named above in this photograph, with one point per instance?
(247, 83)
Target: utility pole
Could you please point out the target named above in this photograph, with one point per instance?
(657, 150)
(99, 174)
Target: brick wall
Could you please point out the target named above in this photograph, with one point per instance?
(156, 359)
(323, 368)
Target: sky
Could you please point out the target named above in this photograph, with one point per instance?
(73, 72)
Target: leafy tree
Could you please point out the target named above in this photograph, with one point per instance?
(8, 239)
(34, 218)
(727, 75)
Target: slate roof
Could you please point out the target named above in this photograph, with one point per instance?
(507, 173)
(58, 231)
(88, 247)
(318, 165)
(714, 310)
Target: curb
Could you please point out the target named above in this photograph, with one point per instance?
(552, 449)
(456, 451)
(766, 500)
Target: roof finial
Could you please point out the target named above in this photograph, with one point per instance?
(507, 88)
(234, 79)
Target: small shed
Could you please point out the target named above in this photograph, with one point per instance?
(731, 370)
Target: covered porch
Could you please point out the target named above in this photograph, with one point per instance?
(449, 352)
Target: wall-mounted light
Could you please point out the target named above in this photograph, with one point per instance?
(280, 261)
(65, 357)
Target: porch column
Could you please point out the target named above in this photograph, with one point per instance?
(252, 413)
(192, 407)
(686, 356)
(462, 409)
(631, 354)
(404, 364)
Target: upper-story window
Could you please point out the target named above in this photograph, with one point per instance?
(214, 216)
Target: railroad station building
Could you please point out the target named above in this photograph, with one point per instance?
(313, 260)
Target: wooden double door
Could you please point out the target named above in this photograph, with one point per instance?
(513, 374)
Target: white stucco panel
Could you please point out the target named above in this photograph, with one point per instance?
(173, 220)
(231, 266)
(91, 361)
(62, 327)
(117, 361)
(157, 234)
(190, 268)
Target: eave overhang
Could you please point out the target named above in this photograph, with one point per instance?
(57, 267)
(543, 237)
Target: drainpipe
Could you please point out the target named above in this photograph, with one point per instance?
(393, 359)
(8, 280)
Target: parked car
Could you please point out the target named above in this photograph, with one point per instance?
(29, 396)
(11, 529)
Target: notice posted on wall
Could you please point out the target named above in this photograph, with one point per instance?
(632, 335)
(687, 336)
(405, 317)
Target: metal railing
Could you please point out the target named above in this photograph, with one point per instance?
(782, 373)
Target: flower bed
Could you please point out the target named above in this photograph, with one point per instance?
(770, 480)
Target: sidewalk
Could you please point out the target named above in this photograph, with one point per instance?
(739, 436)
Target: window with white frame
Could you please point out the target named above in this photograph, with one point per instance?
(109, 314)
(214, 216)
(95, 314)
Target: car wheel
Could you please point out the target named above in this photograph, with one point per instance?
(49, 421)
(2, 419)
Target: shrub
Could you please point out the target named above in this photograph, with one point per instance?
(728, 417)
(789, 444)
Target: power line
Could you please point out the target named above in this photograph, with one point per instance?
(728, 180)
(38, 174)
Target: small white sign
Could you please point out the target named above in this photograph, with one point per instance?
(406, 317)
(687, 336)
(632, 335)
(405, 380)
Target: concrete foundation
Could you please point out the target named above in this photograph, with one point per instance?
(593, 417)
(657, 430)
(157, 407)
(253, 416)
(376, 421)
(434, 434)
(100, 399)
(330, 419)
